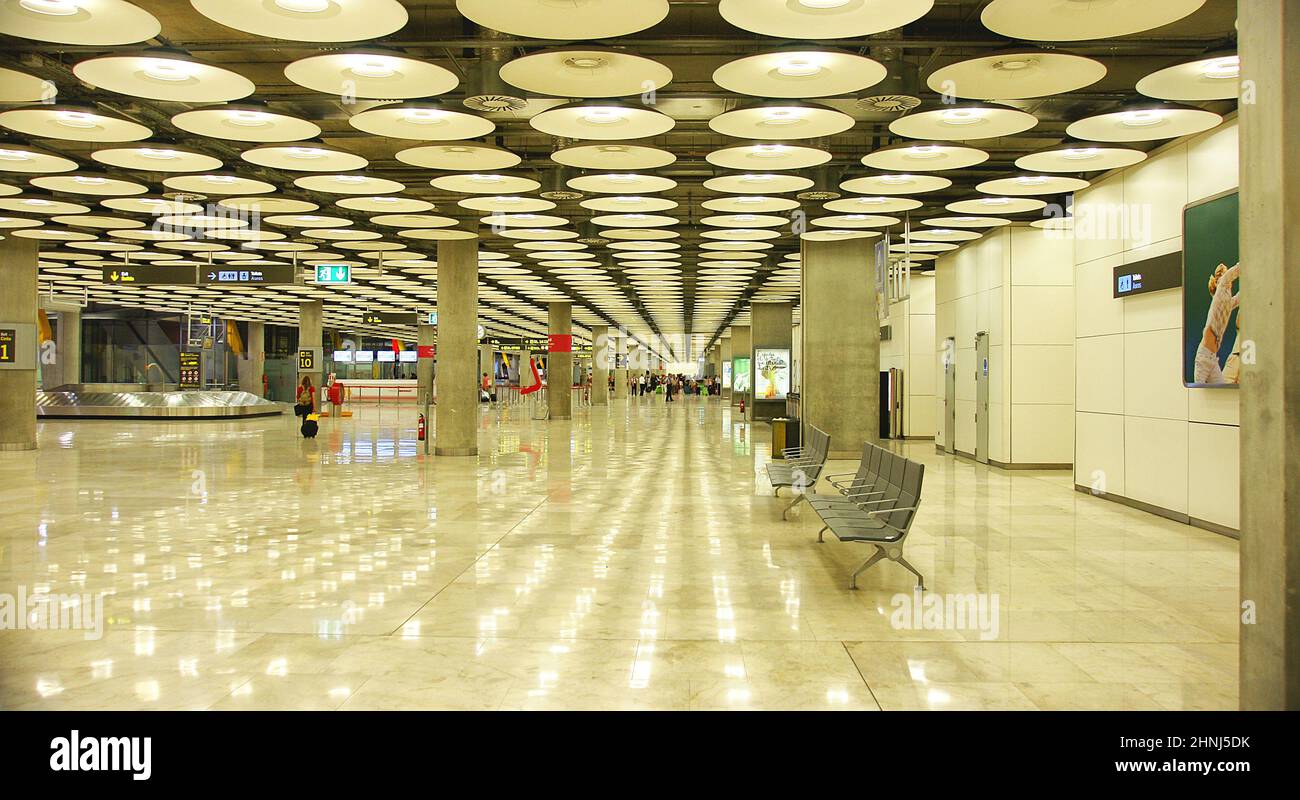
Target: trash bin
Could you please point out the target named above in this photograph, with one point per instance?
(779, 427)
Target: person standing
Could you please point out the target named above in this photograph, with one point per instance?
(305, 401)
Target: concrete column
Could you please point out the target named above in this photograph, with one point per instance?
(426, 336)
(456, 430)
(18, 313)
(600, 365)
(1269, 654)
(620, 370)
(771, 329)
(724, 357)
(559, 360)
(841, 344)
(740, 348)
(253, 367)
(485, 358)
(525, 369)
(310, 313)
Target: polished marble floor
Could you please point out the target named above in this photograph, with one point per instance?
(633, 558)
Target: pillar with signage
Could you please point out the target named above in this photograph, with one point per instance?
(741, 372)
(840, 367)
(311, 361)
(426, 351)
(18, 334)
(773, 338)
(456, 432)
(601, 358)
(559, 360)
(724, 363)
(1269, 655)
(253, 366)
(620, 367)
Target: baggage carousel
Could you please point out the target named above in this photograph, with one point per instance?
(140, 401)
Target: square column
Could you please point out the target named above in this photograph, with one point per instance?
(425, 344)
(600, 365)
(724, 357)
(740, 349)
(620, 368)
(771, 330)
(456, 430)
(1269, 654)
(840, 391)
(253, 367)
(310, 313)
(18, 326)
(559, 360)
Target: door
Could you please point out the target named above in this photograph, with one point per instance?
(982, 397)
(949, 394)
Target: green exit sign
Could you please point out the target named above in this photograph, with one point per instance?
(333, 273)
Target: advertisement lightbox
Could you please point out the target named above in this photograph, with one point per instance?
(771, 374)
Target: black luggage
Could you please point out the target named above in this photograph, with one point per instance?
(310, 427)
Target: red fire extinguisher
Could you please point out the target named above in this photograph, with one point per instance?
(420, 431)
(742, 406)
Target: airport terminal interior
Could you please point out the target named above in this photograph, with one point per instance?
(649, 354)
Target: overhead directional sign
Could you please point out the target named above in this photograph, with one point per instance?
(149, 275)
(389, 318)
(242, 275)
(333, 273)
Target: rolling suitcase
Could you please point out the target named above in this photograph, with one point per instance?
(310, 426)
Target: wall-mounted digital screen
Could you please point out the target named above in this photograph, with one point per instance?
(771, 374)
(387, 356)
(364, 356)
(408, 356)
(342, 357)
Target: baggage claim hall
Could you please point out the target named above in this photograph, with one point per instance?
(649, 354)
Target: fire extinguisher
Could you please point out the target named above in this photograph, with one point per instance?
(742, 406)
(420, 431)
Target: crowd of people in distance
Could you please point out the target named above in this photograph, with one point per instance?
(671, 386)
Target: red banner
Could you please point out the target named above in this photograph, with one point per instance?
(560, 343)
(427, 351)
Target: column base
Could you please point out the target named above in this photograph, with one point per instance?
(455, 451)
(16, 447)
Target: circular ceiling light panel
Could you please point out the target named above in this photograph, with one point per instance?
(872, 205)
(371, 73)
(966, 222)
(245, 123)
(1144, 124)
(41, 205)
(89, 184)
(151, 205)
(923, 247)
(781, 120)
(621, 183)
(963, 122)
(1030, 185)
(768, 156)
(164, 75)
(996, 205)
(612, 156)
(72, 123)
(308, 20)
(837, 235)
(822, 19)
(895, 184)
(523, 221)
(645, 246)
(428, 121)
(485, 183)
(567, 19)
(639, 234)
(26, 159)
(942, 235)
(855, 221)
(745, 221)
(19, 87)
(577, 72)
(1054, 224)
(1016, 75)
(1217, 78)
(1080, 157)
(1076, 20)
(925, 157)
(602, 121)
(634, 221)
(750, 204)
(461, 157)
(799, 73)
(306, 221)
(303, 157)
(147, 157)
(742, 234)
(628, 204)
(92, 22)
(506, 204)
(539, 234)
(268, 205)
(385, 204)
(758, 183)
(348, 184)
(217, 184)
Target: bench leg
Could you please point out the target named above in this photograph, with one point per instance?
(799, 498)
(821, 533)
(776, 491)
(866, 565)
(920, 579)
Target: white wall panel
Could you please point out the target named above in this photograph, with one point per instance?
(1042, 374)
(1044, 434)
(1155, 462)
(1153, 385)
(1155, 192)
(1212, 162)
(1099, 451)
(1099, 374)
(1042, 314)
(1096, 310)
(1214, 473)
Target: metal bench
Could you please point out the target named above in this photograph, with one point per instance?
(801, 466)
(877, 507)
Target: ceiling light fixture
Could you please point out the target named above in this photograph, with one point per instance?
(52, 8)
(250, 119)
(1141, 119)
(75, 119)
(303, 6)
(1227, 68)
(961, 116)
(161, 69)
